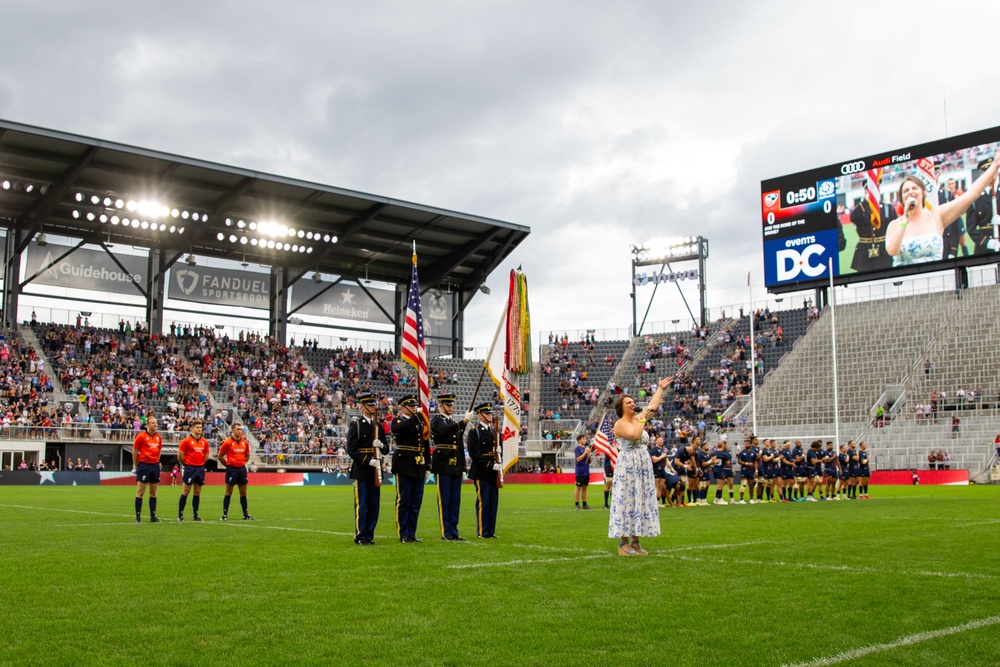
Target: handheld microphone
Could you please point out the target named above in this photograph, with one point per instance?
(911, 204)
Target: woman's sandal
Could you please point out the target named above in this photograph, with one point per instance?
(637, 550)
(625, 550)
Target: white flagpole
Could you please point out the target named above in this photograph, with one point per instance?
(833, 334)
(753, 360)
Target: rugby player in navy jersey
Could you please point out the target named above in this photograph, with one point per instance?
(675, 486)
(765, 481)
(723, 472)
(705, 462)
(801, 471)
(787, 466)
(747, 459)
(685, 466)
(658, 455)
(830, 472)
(814, 468)
(844, 466)
(853, 469)
(786, 471)
(864, 471)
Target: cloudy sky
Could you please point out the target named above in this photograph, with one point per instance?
(596, 124)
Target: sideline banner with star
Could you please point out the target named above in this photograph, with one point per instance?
(345, 301)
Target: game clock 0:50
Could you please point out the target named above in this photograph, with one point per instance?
(801, 196)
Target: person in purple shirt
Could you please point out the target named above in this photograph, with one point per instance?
(582, 454)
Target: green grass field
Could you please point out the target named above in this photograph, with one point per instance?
(776, 584)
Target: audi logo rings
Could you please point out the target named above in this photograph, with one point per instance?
(852, 167)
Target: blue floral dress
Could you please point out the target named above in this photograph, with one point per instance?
(920, 249)
(633, 491)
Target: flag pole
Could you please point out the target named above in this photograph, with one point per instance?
(833, 335)
(753, 360)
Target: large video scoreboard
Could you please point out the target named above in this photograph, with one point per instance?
(853, 213)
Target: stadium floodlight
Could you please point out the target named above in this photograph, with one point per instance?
(191, 261)
(41, 240)
(317, 278)
(484, 289)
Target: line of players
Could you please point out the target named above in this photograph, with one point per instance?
(768, 473)
(192, 453)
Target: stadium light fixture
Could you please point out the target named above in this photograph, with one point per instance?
(41, 240)
(191, 261)
(484, 289)
(317, 278)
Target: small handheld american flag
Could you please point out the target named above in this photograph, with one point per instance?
(604, 441)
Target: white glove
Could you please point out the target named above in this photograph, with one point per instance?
(133, 471)
(380, 444)
(373, 462)
(993, 244)
(497, 467)
(470, 415)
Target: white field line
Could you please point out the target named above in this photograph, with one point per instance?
(988, 522)
(842, 568)
(590, 556)
(63, 509)
(903, 641)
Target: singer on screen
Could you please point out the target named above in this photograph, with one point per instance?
(917, 235)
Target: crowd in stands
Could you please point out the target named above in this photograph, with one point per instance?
(25, 388)
(118, 378)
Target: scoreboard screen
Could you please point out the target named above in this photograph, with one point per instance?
(862, 215)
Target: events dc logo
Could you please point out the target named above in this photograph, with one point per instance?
(791, 262)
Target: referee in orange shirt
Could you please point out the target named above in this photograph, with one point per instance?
(146, 466)
(233, 454)
(192, 453)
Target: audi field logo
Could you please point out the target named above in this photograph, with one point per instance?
(853, 167)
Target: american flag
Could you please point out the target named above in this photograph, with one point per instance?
(414, 351)
(604, 441)
(873, 181)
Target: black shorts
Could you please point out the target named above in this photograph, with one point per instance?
(148, 473)
(583, 480)
(673, 481)
(722, 473)
(787, 473)
(194, 475)
(236, 476)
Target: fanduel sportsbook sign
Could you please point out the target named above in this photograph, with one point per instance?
(84, 269)
(220, 286)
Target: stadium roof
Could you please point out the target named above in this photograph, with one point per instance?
(54, 182)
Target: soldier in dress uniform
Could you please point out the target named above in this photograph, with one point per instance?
(448, 464)
(484, 471)
(409, 465)
(979, 217)
(364, 436)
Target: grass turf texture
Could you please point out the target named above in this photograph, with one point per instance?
(801, 581)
